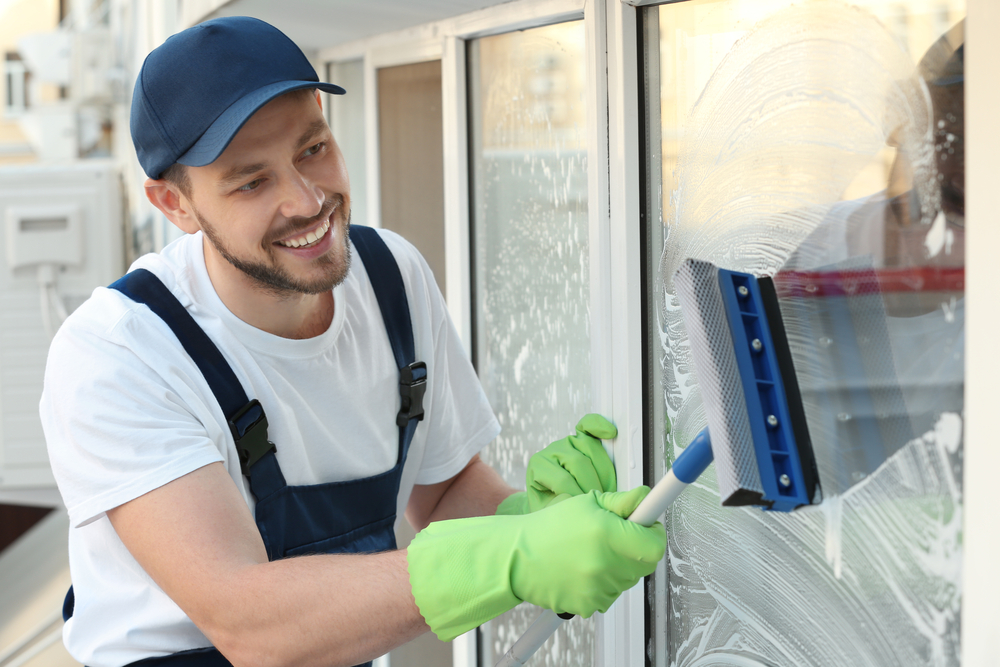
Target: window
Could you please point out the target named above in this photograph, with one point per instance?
(820, 142)
(16, 80)
(528, 161)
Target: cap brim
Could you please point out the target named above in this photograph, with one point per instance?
(213, 142)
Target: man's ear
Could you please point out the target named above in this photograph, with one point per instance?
(165, 196)
(319, 100)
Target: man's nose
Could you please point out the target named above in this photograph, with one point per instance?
(301, 198)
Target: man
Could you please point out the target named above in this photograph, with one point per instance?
(197, 541)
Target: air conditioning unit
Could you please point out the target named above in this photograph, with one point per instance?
(52, 131)
(61, 235)
(48, 56)
(82, 60)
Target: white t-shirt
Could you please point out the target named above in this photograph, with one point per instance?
(125, 410)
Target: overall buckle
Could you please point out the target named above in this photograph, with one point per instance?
(412, 385)
(249, 429)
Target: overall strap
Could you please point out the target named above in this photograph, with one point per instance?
(387, 283)
(246, 418)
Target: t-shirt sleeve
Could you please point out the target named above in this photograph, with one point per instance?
(119, 421)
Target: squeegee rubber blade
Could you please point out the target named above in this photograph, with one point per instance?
(711, 340)
(786, 367)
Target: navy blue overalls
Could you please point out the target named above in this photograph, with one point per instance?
(355, 516)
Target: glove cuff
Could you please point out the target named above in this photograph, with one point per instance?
(516, 503)
(453, 587)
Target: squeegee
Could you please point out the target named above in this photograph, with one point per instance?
(759, 438)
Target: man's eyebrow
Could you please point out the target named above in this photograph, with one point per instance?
(239, 172)
(315, 128)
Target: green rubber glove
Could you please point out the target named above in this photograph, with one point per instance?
(569, 467)
(576, 556)
(516, 503)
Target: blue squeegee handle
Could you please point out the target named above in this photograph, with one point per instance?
(686, 469)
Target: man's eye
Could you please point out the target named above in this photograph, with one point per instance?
(312, 150)
(252, 185)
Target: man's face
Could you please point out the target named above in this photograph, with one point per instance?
(275, 206)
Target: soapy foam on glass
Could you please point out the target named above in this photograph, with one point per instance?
(532, 270)
(793, 111)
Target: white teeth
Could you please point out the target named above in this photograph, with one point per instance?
(309, 238)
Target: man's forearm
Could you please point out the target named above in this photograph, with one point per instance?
(476, 491)
(316, 610)
(198, 541)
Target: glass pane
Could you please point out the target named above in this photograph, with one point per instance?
(531, 287)
(821, 143)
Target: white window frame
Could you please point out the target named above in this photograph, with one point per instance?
(616, 294)
(616, 303)
(614, 157)
(981, 538)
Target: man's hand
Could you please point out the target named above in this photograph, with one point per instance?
(576, 556)
(569, 467)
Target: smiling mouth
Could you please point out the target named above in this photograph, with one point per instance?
(307, 240)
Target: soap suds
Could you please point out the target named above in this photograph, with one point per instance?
(871, 577)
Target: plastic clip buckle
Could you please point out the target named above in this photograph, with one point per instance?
(249, 429)
(412, 385)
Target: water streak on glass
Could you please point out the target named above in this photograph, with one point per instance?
(529, 166)
(815, 138)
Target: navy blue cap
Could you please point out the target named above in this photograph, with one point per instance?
(197, 89)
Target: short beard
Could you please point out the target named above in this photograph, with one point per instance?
(270, 277)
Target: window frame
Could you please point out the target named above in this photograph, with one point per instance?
(445, 41)
(616, 302)
(981, 544)
(981, 540)
(615, 157)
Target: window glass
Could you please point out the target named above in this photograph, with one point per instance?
(17, 85)
(821, 143)
(531, 291)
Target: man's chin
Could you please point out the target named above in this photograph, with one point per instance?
(335, 265)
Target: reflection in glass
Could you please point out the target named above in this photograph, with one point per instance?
(529, 204)
(822, 143)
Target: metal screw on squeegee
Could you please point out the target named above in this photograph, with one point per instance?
(756, 345)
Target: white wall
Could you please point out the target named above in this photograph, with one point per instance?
(981, 575)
